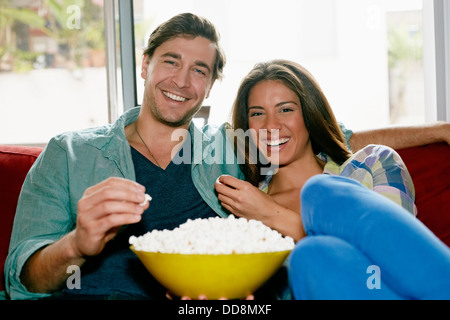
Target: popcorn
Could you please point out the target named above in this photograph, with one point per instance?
(214, 236)
(148, 198)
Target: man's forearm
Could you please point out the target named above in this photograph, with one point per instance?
(46, 270)
(400, 137)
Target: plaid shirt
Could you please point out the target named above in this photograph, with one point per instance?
(377, 167)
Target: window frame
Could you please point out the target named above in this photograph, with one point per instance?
(128, 60)
(436, 59)
(111, 59)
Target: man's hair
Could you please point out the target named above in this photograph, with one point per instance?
(188, 25)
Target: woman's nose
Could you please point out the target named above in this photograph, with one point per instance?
(272, 123)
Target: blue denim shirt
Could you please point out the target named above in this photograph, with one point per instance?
(75, 161)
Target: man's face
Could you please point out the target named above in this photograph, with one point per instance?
(178, 79)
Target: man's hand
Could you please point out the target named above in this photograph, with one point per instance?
(103, 209)
(170, 296)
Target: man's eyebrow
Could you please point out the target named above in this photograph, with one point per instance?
(172, 55)
(177, 56)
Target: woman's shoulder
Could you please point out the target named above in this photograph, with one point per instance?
(370, 158)
(376, 153)
(374, 149)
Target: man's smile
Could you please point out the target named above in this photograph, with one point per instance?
(174, 96)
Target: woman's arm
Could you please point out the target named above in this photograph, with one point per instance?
(400, 137)
(245, 200)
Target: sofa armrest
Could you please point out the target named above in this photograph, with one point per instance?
(15, 162)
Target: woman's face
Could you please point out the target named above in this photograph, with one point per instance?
(275, 114)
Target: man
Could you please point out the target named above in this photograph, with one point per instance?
(88, 184)
(83, 197)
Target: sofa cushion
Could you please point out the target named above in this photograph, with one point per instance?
(429, 167)
(15, 162)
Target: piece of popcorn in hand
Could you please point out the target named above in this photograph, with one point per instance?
(148, 198)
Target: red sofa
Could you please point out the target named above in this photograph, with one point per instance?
(428, 165)
(15, 161)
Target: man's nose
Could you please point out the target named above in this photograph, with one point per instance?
(181, 78)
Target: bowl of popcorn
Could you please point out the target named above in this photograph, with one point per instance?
(216, 257)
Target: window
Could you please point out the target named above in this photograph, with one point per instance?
(366, 55)
(369, 56)
(52, 68)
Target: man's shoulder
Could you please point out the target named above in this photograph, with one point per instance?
(82, 137)
(100, 135)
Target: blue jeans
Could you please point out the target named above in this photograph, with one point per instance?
(361, 245)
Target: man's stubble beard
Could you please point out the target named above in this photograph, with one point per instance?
(174, 123)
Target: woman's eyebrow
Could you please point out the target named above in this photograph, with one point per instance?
(255, 107)
(280, 104)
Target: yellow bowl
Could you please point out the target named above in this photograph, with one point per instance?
(232, 276)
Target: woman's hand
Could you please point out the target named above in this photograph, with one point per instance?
(243, 199)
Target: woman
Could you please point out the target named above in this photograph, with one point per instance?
(345, 220)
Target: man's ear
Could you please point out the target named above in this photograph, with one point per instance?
(144, 67)
(209, 90)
